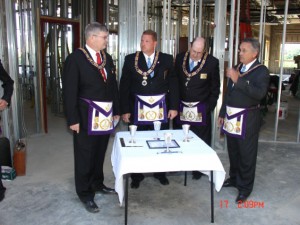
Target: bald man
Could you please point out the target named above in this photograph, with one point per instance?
(199, 86)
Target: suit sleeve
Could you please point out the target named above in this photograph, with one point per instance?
(70, 81)
(173, 85)
(125, 83)
(214, 86)
(8, 84)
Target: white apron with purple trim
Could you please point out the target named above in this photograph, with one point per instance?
(193, 113)
(100, 117)
(235, 122)
(149, 109)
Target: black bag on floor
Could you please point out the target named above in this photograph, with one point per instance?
(5, 154)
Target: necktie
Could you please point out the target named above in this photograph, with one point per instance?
(149, 65)
(243, 69)
(99, 62)
(191, 65)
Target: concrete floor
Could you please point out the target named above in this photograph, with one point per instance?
(46, 195)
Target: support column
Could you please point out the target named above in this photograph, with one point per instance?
(219, 52)
(131, 25)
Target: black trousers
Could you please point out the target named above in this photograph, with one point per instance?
(1, 184)
(89, 155)
(140, 176)
(243, 153)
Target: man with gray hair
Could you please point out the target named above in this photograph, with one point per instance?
(240, 116)
(91, 104)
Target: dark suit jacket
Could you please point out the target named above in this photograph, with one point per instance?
(8, 84)
(163, 81)
(81, 79)
(205, 90)
(249, 90)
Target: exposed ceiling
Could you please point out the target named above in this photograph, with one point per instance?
(274, 9)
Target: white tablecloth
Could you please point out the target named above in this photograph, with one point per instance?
(197, 155)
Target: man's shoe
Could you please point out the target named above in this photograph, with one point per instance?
(196, 175)
(242, 197)
(91, 206)
(2, 194)
(105, 190)
(229, 183)
(163, 180)
(135, 184)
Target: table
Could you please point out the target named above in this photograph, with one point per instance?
(139, 158)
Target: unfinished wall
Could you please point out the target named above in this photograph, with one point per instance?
(292, 36)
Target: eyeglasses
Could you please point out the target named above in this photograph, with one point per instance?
(104, 37)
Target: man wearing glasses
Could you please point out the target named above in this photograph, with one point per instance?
(91, 105)
(199, 86)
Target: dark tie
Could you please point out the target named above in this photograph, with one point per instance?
(99, 62)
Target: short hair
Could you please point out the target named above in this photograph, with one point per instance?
(94, 27)
(152, 33)
(254, 43)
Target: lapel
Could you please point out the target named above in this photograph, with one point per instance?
(157, 64)
(106, 65)
(254, 64)
(142, 62)
(88, 52)
(188, 64)
(95, 68)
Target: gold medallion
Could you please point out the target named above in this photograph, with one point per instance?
(95, 126)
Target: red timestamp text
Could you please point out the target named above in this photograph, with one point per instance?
(248, 204)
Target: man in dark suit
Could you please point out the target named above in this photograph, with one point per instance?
(89, 85)
(8, 86)
(199, 86)
(240, 116)
(145, 73)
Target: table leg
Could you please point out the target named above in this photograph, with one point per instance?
(126, 197)
(185, 174)
(212, 195)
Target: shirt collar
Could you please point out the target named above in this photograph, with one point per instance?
(151, 57)
(92, 52)
(249, 65)
(195, 62)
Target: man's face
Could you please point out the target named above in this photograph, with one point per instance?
(196, 50)
(247, 53)
(100, 40)
(148, 45)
